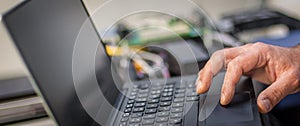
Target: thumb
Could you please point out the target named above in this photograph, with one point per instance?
(272, 95)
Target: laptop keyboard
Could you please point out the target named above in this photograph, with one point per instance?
(158, 104)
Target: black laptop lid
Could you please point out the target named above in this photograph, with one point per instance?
(45, 32)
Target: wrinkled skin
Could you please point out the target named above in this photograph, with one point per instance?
(277, 66)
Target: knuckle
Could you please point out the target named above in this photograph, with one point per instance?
(236, 64)
(218, 53)
(295, 74)
(248, 45)
(234, 68)
(259, 44)
(229, 65)
(276, 96)
(294, 77)
(262, 47)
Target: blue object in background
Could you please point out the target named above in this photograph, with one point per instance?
(291, 40)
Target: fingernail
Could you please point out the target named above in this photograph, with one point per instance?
(198, 84)
(197, 81)
(266, 102)
(223, 98)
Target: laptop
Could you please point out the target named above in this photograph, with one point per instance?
(71, 71)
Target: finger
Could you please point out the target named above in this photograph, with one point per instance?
(213, 66)
(235, 69)
(232, 76)
(204, 79)
(274, 93)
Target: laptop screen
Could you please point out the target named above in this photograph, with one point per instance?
(65, 58)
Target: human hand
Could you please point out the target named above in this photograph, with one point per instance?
(277, 66)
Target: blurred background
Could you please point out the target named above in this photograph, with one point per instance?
(12, 67)
(143, 47)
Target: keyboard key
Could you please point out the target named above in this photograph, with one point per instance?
(134, 125)
(175, 105)
(149, 116)
(123, 124)
(176, 115)
(169, 86)
(148, 121)
(166, 99)
(181, 95)
(168, 90)
(191, 90)
(150, 111)
(192, 94)
(167, 94)
(162, 104)
(165, 90)
(130, 101)
(181, 86)
(191, 85)
(161, 109)
(179, 91)
(144, 91)
(162, 114)
(126, 115)
(138, 110)
(133, 93)
(128, 110)
(142, 104)
(132, 97)
(143, 95)
(153, 101)
(161, 124)
(141, 100)
(125, 119)
(143, 86)
(154, 96)
(192, 98)
(135, 120)
(155, 92)
(175, 121)
(134, 90)
(179, 100)
(129, 105)
(149, 106)
(162, 119)
(134, 115)
(177, 110)
(157, 88)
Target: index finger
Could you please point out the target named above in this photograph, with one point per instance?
(218, 60)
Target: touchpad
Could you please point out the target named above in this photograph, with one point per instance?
(239, 110)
